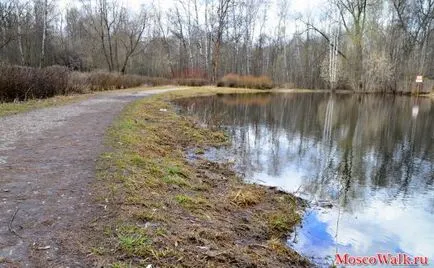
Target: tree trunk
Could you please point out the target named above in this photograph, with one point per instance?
(358, 59)
(44, 34)
(215, 61)
(20, 42)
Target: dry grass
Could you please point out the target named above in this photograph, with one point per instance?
(22, 83)
(166, 211)
(247, 196)
(247, 81)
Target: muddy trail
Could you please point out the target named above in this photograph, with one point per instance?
(47, 164)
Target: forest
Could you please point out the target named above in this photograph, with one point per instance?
(358, 45)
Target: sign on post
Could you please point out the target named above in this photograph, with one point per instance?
(419, 83)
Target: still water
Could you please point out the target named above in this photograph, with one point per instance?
(365, 164)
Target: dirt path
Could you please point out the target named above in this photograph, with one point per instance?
(47, 162)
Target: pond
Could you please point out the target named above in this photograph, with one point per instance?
(365, 163)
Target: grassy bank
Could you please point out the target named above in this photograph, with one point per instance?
(163, 210)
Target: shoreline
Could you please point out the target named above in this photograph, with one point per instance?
(164, 210)
(11, 108)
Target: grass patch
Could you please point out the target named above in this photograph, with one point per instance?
(176, 180)
(133, 243)
(190, 202)
(166, 211)
(183, 199)
(282, 223)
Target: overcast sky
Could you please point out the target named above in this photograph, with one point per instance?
(296, 8)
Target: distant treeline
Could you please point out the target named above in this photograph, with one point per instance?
(360, 45)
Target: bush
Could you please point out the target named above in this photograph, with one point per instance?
(248, 81)
(21, 83)
(192, 82)
(100, 81)
(378, 73)
(15, 82)
(78, 83)
(51, 81)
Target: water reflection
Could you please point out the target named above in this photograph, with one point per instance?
(371, 157)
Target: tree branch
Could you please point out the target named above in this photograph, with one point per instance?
(325, 37)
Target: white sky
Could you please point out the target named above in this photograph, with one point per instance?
(296, 5)
(311, 8)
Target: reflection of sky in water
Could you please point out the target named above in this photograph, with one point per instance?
(397, 224)
(378, 176)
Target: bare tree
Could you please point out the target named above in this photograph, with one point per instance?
(221, 17)
(19, 13)
(353, 15)
(7, 20)
(44, 32)
(162, 33)
(104, 17)
(133, 32)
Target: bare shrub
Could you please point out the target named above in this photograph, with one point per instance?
(192, 82)
(21, 83)
(51, 81)
(248, 81)
(78, 83)
(340, 80)
(99, 81)
(14, 82)
(378, 75)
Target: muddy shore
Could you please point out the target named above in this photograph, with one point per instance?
(160, 209)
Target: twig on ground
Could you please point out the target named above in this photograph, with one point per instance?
(43, 248)
(11, 222)
(259, 245)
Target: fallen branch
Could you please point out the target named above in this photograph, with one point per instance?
(11, 222)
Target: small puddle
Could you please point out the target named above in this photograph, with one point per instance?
(364, 163)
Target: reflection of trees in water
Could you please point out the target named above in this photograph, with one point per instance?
(339, 141)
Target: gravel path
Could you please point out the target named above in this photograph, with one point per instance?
(47, 163)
